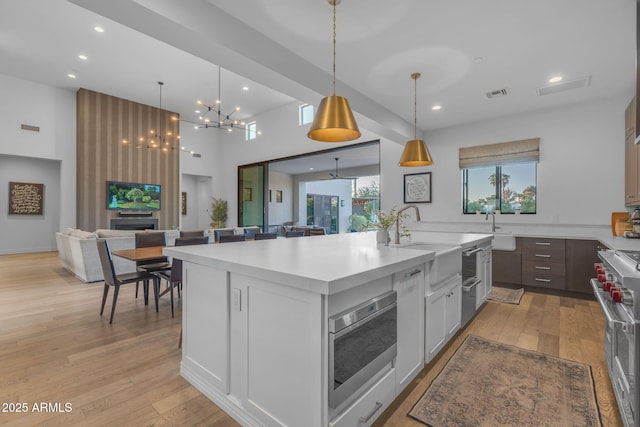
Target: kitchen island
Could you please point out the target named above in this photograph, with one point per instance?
(255, 324)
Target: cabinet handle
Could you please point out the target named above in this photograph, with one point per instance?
(542, 268)
(543, 243)
(542, 280)
(543, 256)
(413, 273)
(368, 417)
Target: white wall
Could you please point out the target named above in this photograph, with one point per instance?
(283, 211)
(580, 173)
(54, 111)
(30, 233)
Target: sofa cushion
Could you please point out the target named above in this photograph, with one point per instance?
(80, 234)
(106, 233)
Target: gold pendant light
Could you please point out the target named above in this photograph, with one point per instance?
(334, 121)
(415, 151)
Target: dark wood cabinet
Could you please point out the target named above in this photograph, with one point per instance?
(507, 265)
(543, 262)
(559, 264)
(581, 255)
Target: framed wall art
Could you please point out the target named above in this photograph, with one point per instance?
(417, 187)
(184, 203)
(26, 198)
(278, 196)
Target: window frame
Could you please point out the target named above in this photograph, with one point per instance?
(251, 131)
(498, 189)
(301, 109)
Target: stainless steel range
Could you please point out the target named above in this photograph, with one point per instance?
(617, 289)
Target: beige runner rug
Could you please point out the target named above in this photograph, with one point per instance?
(486, 383)
(509, 296)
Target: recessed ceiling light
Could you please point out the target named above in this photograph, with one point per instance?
(98, 29)
(83, 57)
(71, 76)
(555, 79)
(436, 107)
(310, 169)
(245, 88)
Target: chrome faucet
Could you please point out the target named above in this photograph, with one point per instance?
(493, 221)
(398, 220)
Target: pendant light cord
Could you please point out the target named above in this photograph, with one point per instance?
(334, 47)
(415, 107)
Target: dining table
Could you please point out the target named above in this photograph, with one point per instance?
(140, 254)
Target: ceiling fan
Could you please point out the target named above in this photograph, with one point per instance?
(337, 175)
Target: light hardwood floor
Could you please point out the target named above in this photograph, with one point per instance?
(56, 349)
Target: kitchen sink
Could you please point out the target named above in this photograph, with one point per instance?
(504, 242)
(448, 260)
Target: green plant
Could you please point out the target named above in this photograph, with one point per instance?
(381, 220)
(218, 213)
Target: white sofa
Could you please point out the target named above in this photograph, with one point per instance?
(78, 251)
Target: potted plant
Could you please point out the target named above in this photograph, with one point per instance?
(382, 221)
(218, 213)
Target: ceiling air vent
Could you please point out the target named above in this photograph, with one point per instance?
(498, 93)
(30, 127)
(561, 87)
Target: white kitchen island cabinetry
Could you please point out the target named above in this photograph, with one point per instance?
(410, 285)
(443, 315)
(255, 324)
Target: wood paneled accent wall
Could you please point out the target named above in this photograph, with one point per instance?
(103, 122)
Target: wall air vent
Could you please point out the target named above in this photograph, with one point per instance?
(30, 127)
(498, 93)
(561, 87)
(196, 155)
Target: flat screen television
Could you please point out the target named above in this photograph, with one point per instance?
(133, 196)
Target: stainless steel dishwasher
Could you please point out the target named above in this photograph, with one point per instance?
(469, 294)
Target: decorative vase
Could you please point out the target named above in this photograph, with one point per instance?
(382, 236)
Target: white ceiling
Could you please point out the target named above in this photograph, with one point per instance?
(283, 50)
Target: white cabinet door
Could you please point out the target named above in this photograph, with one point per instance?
(488, 268)
(483, 289)
(453, 309)
(443, 316)
(205, 324)
(435, 328)
(410, 285)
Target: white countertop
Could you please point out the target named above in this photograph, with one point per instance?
(323, 264)
(559, 231)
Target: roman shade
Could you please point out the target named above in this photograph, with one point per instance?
(504, 152)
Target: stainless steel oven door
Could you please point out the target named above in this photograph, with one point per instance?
(470, 265)
(621, 352)
(358, 351)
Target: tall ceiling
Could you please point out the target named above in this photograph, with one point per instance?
(281, 50)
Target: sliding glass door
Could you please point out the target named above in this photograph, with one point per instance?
(251, 195)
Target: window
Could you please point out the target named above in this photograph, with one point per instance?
(251, 131)
(508, 188)
(305, 114)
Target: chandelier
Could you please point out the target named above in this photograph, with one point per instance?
(214, 116)
(156, 137)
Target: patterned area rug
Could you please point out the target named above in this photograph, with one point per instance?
(510, 296)
(486, 383)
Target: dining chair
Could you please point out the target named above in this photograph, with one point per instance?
(250, 232)
(173, 277)
(145, 240)
(232, 238)
(117, 280)
(317, 232)
(191, 233)
(223, 233)
(294, 234)
(265, 236)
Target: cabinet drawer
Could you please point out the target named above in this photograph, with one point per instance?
(368, 408)
(543, 249)
(543, 280)
(542, 266)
